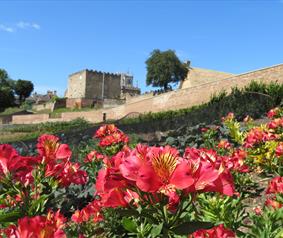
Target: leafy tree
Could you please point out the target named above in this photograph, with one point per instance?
(163, 68)
(6, 98)
(23, 88)
(6, 92)
(4, 78)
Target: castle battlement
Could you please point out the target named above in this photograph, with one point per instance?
(98, 85)
(99, 73)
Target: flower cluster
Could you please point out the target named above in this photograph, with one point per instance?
(91, 211)
(49, 226)
(258, 135)
(216, 232)
(110, 135)
(275, 187)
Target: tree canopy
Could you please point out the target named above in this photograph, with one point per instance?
(163, 68)
(9, 87)
(23, 88)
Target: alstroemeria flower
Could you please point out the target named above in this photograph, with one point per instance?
(275, 185)
(203, 171)
(50, 226)
(20, 167)
(106, 130)
(216, 232)
(91, 211)
(51, 149)
(150, 167)
(279, 149)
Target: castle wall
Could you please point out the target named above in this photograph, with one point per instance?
(94, 82)
(183, 98)
(197, 76)
(77, 85)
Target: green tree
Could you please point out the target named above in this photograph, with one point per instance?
(23, 89)
(4, 78)
(163, 68)
(6, 98)
(6, 92)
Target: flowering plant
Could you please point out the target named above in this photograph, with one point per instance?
(141, 190)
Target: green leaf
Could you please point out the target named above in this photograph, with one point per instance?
(11, 216)
(129, 225)
(187, 228)
(156, 230)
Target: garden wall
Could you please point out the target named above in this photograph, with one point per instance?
(183, 98)
(30, 119)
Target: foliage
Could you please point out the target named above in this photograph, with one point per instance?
(9, 87)
(146, 191)
(23, 88)
(6, 98)
(32, 131)
(164, 68)
(253, 100)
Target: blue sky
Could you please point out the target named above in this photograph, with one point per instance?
(45, 41)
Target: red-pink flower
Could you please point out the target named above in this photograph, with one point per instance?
(224, 144)
(71, 173)
(273, 203)
(51, 149)
(258, 135)
(106, 130)
(236, 161)
(204, 171)
(230, 116)
(275, 185)
(150, 167)
(279, 149)
(273, 112)
(93, 156)
(50, 226)
(257, 210)
(216, 232)
(114, 198)
(115, 138)
(19, 167)
(91, 211)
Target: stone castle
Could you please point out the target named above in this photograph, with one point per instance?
(196, 89)
(90, 87)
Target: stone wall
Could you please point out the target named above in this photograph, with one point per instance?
(183, 98)
(78, 102)
(94, 82)
(30, 119)
(130, 99)
(43, 106)
(197, 76)
(76, 85)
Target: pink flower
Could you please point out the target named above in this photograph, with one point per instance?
(279, 149)
(273, 112)
(216, 232)
(275, 185)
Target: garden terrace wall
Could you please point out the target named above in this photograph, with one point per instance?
(184, 98)
(30, 119)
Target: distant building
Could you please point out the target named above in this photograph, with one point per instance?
(37, 98)
(89, 87)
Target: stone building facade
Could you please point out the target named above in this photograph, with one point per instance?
(90, 87)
